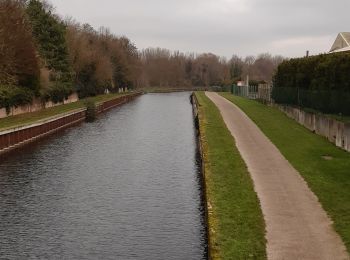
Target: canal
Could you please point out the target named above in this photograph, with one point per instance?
(126, 186)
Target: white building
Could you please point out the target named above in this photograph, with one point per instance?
(341, 43)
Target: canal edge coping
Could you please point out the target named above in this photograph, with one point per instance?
(195, 105)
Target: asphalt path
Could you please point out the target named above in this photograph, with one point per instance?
(297, 227)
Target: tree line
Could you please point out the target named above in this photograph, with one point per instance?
(163, 68)
(45, 56)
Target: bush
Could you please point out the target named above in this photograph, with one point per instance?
(57, 92)
(14, 96)
(220, 88)
(91, 112)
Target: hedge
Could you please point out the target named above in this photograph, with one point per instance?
(319, 82)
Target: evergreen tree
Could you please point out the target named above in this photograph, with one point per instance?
(49, 33)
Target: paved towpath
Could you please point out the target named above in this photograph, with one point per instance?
(297, 227)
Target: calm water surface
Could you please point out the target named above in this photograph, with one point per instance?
(124, 187)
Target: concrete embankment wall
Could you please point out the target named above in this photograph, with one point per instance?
(335, 131)
(15, 137)
(195, 106)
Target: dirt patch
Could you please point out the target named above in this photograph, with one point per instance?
(327, 157)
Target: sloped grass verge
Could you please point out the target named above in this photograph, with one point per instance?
(236, 225)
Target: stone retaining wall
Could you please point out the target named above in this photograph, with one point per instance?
(195, 109)
(36, 105)
(335, 131)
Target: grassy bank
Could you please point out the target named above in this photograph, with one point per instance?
(236, 225)
(28, 118)
(328, 179)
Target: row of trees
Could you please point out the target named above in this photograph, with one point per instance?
(259, 69)
(101, 60)
(163, 68)
(42, 55)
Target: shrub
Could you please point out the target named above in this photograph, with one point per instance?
(14, 96)
(91, 112)
(57, 92)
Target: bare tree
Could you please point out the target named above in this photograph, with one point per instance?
(236, 68)
(261, 68)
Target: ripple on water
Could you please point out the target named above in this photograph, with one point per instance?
(124, 187)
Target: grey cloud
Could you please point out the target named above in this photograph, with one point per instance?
(287, 27)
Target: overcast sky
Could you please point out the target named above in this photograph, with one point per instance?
(223, 27)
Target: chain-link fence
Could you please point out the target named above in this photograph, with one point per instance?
(261, 92)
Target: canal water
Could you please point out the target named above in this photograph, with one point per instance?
(124, 187)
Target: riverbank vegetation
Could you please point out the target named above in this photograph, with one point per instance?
(323, 166)
(236, 225)
(47, 57)
(43, 55)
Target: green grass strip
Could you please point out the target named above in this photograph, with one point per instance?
(236, 225)
(29, 118)
(328, 179)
